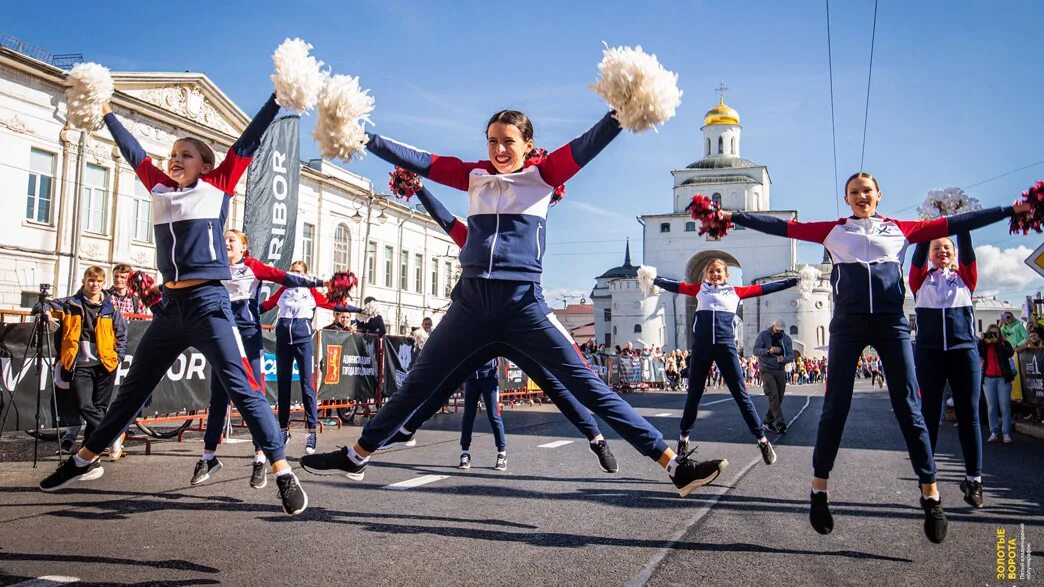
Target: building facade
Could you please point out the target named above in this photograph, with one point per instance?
(76, 203)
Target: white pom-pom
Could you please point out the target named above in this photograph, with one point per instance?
(90, 85)
(947, 202)
(633, 83)
(808, 277)
(298, 78)
(646, 276)
(420, 336)
(343, 108)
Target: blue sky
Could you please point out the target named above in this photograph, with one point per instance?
(955, 98)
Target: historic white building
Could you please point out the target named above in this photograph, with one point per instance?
(673, 245)
(63, 220)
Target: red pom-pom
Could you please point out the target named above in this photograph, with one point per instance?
(1024, 223)
(706, 212)
(534, 157)
(143, 286)
(340, 285)
(404, 183)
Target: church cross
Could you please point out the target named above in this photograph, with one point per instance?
(721, 91)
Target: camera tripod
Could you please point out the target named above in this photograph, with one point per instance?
(38, 350)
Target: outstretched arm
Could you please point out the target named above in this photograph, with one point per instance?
(565, 161)
(678, 287)
(815, 232)
(131, 150)
(751, 291)
(449, 171)
(457, 230)
(226, 176)
(966, 265)
(265, 272)
(321, 301)
(272, 300)
(922, 231)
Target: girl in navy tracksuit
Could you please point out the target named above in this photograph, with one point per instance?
(565, 401)
(499, 299)
(189, 208)
(946, 349)
(483, 384)
(866, 249)
(714, 342)
(294, 344)
(244, 291)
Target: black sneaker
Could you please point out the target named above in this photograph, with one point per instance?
(401, 439)
(690, 474)
(465, 461)
(972, 491)
(606, 460)
(501, 462)
(68, 473)
(934, 520)
(820, 517)
(294, 499)
(768, 454)
(771, 427)
(259, 475)
(781, 428)
(683, 447)
(310, 443)
(204, 469)
(333, 463)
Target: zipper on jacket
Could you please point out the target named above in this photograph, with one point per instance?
(538, 241)
(496, 230)
(870, 286)
(943, 311)
(210, 239)
(173, 249)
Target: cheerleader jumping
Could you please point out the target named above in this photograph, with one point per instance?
(947, 347)
(714, 342)
(499, 299)
(294, 345)
(866, 249)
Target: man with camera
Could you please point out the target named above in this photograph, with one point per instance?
(774, 349)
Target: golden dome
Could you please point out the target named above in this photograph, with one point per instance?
(721, 114)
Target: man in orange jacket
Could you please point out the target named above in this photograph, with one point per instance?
(91, 341)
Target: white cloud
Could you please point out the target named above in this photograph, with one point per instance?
(1004, 273)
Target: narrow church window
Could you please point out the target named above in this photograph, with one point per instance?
(707, 154)
(690, 227)
(733, 145)
(716, 199)
(637, 328)
(721, 145)
(607, 315)
(794, 330)
(665, 227)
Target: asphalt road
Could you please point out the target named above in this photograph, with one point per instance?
(553, 518)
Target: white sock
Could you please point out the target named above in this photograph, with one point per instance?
(286, 471)
(501, 453)
(259, 458)
(355, 457)
(672, 465)
(207, 456)
(933, 497)
(80, 462)
(977, 478)
(823, 491)
(683, 439)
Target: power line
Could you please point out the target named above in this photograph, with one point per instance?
(978, 183)
(869, 77)
(833, 127)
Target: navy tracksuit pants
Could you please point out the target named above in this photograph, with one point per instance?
(961, 368)
(486, 312)
(565, 401)
(299, 351)
(727, 358)
(889, 334)
(489, 391)
(253, 345)
(200, 317)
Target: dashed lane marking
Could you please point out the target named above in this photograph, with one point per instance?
(47, 581)
(555, 444)
(416, 482)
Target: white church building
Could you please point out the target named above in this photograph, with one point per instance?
(672, 244)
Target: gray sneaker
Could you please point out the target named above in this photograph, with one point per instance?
(259, 475)
(204, 469)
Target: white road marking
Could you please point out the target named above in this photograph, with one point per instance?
(416, 482)
(717, 401)
(662, 415)
(555, 444)
(47, 581)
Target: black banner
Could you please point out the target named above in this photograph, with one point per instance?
(1031, 367)
(186, 384)
(399, 352)
(270, 210)
(511, 377)
(348, 365)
